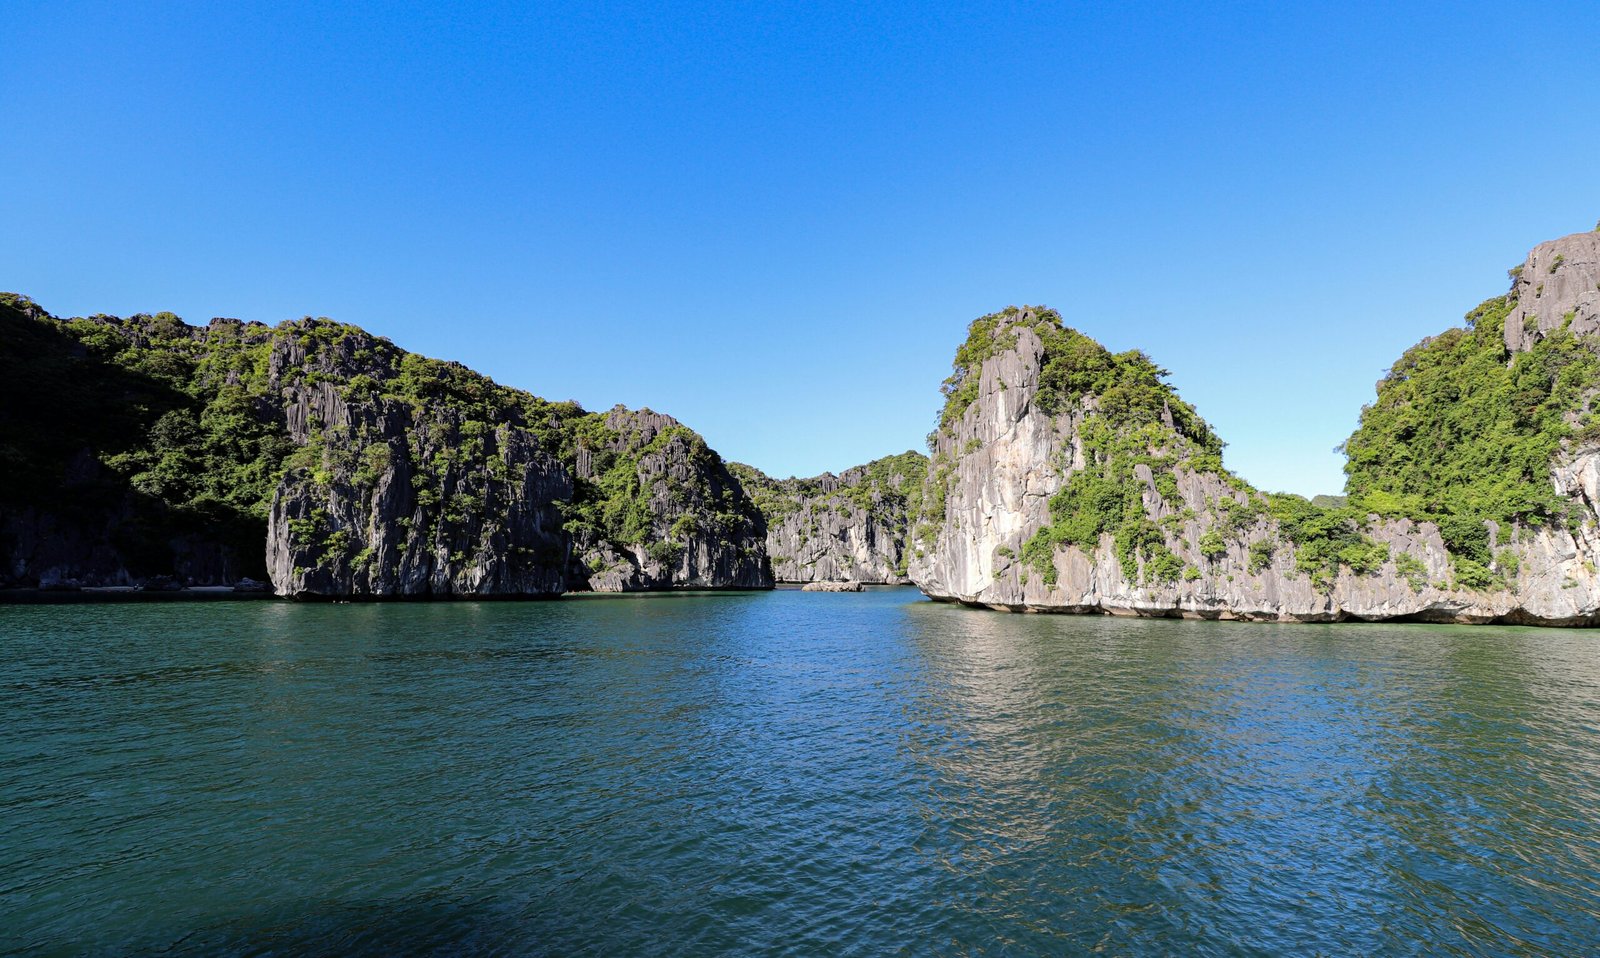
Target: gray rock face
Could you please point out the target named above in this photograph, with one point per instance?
(852, 526)
(1557, 285)
(701, 531)
(850, 586)
(84, 502)
(403, 501)
(395, 498)
(338, 465)
(49, 550)
(996, 467)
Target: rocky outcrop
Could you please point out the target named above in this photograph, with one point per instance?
(388, 499)
(696, 528)
(847, 586)
(1557, 287)
(1064, 479)
(184, 455)
(471, 489)
(86, 496)
(852, 526)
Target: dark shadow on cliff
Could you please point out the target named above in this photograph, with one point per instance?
(64, 411)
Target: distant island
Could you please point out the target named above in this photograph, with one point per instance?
(144, 452)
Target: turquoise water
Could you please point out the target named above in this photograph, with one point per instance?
(788, 773)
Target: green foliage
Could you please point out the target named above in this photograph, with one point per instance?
(1410, 568)
(889, 491)
(1473, 575)
(1325, 539)
(375, 461)
(1105, 499)
(1161, 565)
(628, 498)
(613, 505)
(935, 496)
(163, 430)
(1126, 388)
(1236, 515)
(1131, 418)
(983, 341)
(686, 526)
(665, 552)
(1261, 552)
(1212, 545)
(1463, 433)
(1508, 564)
(144, 426)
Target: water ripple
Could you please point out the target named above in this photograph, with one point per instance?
(789, 774)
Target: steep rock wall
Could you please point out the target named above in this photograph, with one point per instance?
(109, 475)
(852, 526)
(1557, 286)
(390, 499)
(1193, 540)
(695, 528)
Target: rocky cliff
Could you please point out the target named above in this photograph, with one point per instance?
(1066, 478)
(659, 509)
(339, 465)
(852, 526)
(1557, 287)
(409, 478)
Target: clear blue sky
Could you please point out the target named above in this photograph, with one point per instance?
(775, 220)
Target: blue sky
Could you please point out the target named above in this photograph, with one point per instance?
(775, 220)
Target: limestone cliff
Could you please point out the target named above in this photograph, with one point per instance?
(1065, 478)
(147, 451)
(852, 526)
(391, 495)
(1558, 286)
(416, 477)
(114, 469)
(683, 520)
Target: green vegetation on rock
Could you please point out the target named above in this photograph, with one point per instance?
(1463, 433)
(629, 498)
(1139, 440)
(1127, 388)
(1325, 539)
(168, 441)
(883, 496)
(1131, 417)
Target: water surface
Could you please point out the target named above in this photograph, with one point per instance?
(788, 773)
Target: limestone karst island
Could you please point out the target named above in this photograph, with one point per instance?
(1061, 477)
(799, 480)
